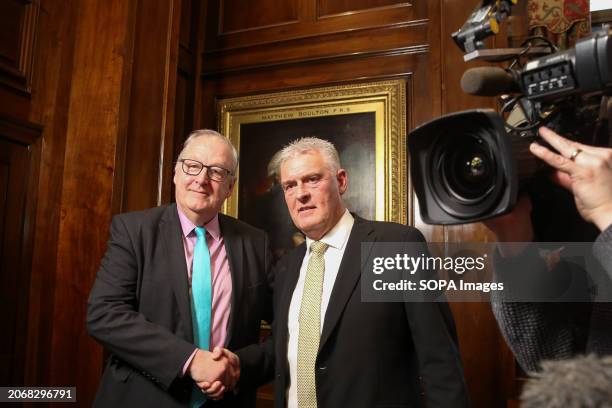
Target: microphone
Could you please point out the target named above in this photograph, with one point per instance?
(488, 81)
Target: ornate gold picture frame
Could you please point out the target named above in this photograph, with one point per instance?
(365, 121)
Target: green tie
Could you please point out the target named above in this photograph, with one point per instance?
(310, 327)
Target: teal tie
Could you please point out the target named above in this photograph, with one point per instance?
(201, 297)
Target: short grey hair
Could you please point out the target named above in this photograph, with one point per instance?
(578, 382)
(209, 133)
(303, 146)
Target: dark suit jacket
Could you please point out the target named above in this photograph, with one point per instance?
(139, 310)
(372, 354)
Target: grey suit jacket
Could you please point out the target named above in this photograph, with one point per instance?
(139, 310)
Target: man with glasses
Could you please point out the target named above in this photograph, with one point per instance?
(178, 288)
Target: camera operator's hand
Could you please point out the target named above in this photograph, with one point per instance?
(584, 170)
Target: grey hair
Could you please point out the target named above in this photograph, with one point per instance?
(302, 146)
(578, 382)
(209, 133)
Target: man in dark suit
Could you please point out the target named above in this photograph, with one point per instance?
(332, 349)
(178, 281)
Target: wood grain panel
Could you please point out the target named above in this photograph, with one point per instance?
(17, 36)
(151, 114)
(49, 107)
(308, 26)
(318, 72)
(395, 38)
(187, 28)
(331, 7)
(19, 164)
(239, 15)
(11, 20)
(93, 134)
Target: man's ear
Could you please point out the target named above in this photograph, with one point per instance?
(232, 183)
(342, 178)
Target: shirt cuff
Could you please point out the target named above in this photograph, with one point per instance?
(186, 365)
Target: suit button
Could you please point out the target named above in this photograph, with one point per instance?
(322, 368)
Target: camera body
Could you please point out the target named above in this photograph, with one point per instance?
(469, 166)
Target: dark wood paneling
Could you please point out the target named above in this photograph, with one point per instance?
(94, 132)
(255, 14)
(151, 114)
(331, 7)
(362, 42)
(49, 107)
(188, 78)
(17, 36)
(19, 164)
(187, 28)
(81, 91)
(11, 20)
(306, 25)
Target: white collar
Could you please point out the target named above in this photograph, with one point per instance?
(338, 235)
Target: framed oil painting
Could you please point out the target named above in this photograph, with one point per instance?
(365, 121)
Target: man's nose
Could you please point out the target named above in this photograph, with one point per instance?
(203, 178)
(303, 194)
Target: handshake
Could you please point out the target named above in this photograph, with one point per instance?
(215, 372)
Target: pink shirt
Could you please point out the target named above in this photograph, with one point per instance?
(220, 274)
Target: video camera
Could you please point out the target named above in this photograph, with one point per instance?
(469, 166)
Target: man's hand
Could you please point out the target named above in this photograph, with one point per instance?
(584, 170)
(215, 389)
(216, 372)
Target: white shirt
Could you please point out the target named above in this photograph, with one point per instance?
(336, 240)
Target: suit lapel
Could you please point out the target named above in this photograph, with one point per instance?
(284, 301)
(348, 276)
(234, 246)
(170, 230)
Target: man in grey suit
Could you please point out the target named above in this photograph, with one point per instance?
(147, 314)
(332, 348)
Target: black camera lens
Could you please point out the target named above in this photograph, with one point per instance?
(466, 177)
(464, 166)
(468, 169)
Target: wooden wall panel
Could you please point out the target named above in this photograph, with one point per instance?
(19, 164)
(187, 78)
(252, 15)
(18, 21)
(49, 106)
(94, 132)
(151, 113)
(306, 25)
(359, 43)
(331, 7)
(66, 184)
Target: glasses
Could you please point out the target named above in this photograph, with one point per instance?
(194, 168)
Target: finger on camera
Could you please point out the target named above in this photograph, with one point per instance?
(564, 146)
(552, 159)
(571, 146)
